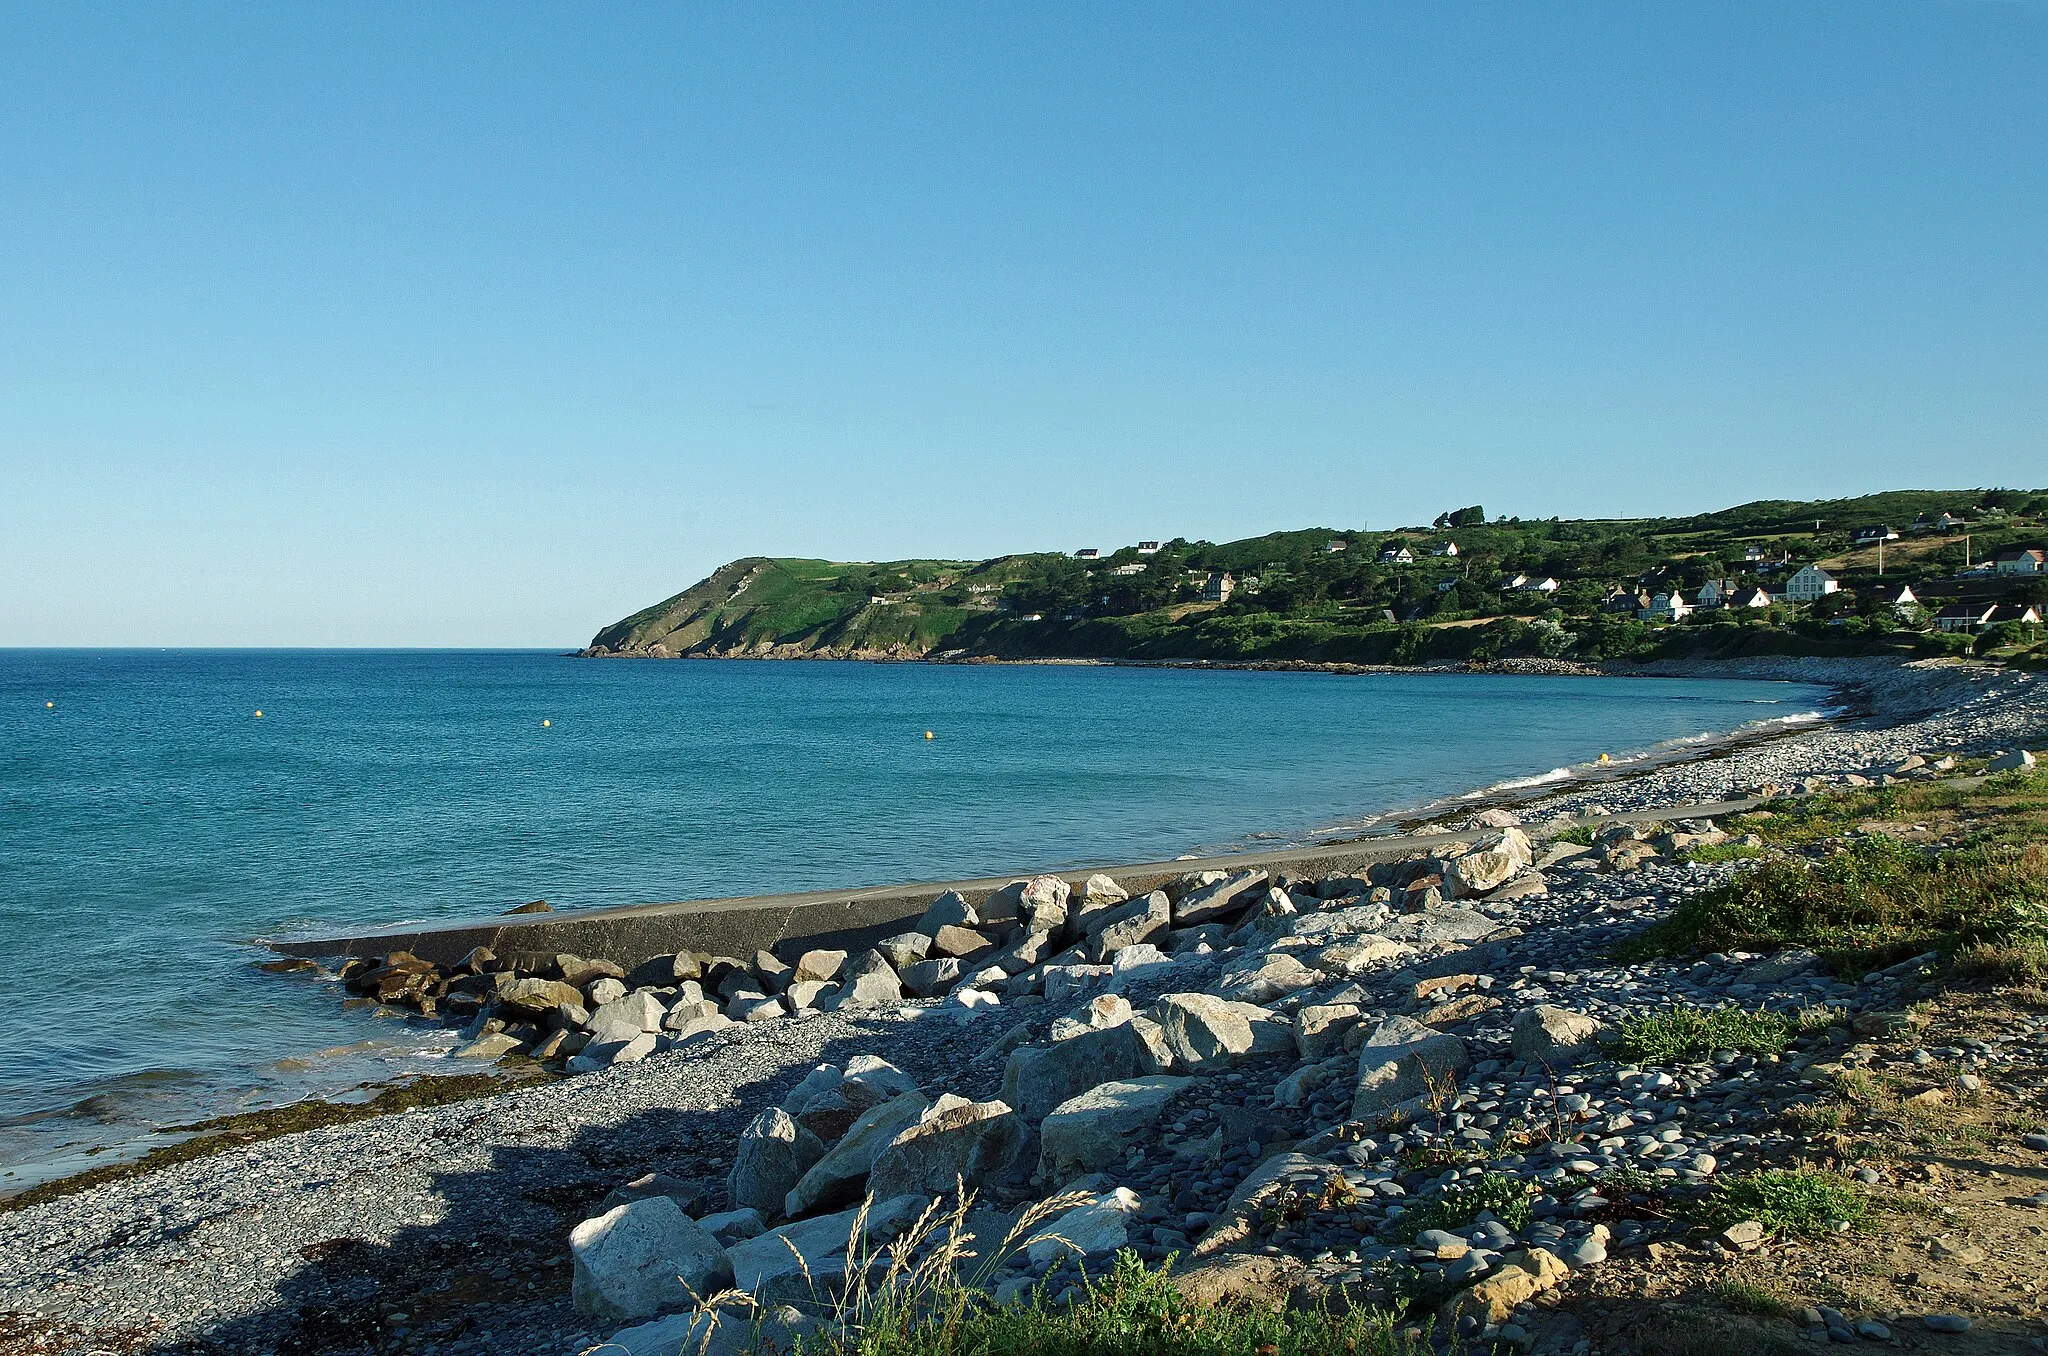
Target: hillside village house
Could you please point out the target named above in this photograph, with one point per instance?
(1449, 548)
(2023, 613)
(1810, 584)
(1218, 587)
(1752, 554)
(1752, 597)
(1965, 617)
(1940, 522)
(1898, 599)
(1334, 545)
(1133, 567)
(1715, 592)
(1625, 600)
(1397, 555)
(1447, 583)
(1870, 536)
(1148, 548)
(1087, 553)
(1666, 607)
(2032, 560)
(1544, 585)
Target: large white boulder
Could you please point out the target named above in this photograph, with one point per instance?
(641, 1010)
(1355, 956)
(955, 1142)
(1098, 1128)
(1210, 902)
(842, 1173)
(1112, 929)
(1267, 978)
(774, 1154)
(806, 1262)
(869, 982)
(1553, 1036)
(1044, 904)
(1038, 1078)
(1096, 1229)
(641, 1258)
(1202, 1031)
(1399, 1061)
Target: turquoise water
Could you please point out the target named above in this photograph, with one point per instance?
(151, 824)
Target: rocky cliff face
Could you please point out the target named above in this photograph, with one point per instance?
(758, 608)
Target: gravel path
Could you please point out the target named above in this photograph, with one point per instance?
(445, 1229)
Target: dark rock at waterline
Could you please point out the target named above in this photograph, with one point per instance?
(537, 906)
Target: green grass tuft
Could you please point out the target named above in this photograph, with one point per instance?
(1128, 1311)
(1677, 1035)
(1459, 1203)
(1785, 1202)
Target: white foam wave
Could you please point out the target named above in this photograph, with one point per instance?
(1556, 774)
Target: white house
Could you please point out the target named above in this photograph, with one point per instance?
(1087, 553)
(1715, 592)
(1396, 555)
(1666, 607)
(1545, 585)
(1752, 597)
(1509, 585)
(1898, 599)
(1148, 548)
(1809, 584)
(1218, 587)
(1871, 536)
(2030, 561)
(1334, 545)
(1752, 553)
(1134, 567)
(1449, 548)
(1965, 617)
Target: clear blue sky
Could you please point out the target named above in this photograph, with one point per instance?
(487, 324)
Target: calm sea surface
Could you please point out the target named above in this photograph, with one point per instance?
(151, 824)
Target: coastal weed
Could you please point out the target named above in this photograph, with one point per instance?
(1804, 1201)
(1750, 1297)
(1457, 1204)
(1677, 1035)
(1129, 1310)
(1874, 902)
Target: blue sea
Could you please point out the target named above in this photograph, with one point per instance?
(153, 825)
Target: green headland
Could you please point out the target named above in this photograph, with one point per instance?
(1895, 571)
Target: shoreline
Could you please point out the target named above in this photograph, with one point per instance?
(522, 1164)
(1858, 695)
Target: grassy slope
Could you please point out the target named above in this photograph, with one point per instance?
(813, 606)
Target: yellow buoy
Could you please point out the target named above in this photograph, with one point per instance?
(927, 734)
(546, 724)
(49, 706)
(259, 715)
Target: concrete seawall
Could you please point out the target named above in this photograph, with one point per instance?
(838, 918)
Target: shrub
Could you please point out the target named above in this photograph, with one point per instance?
(1878, 902)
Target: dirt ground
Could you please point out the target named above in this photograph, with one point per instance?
(1958, 1229)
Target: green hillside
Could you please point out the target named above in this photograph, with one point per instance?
(1325, 594)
